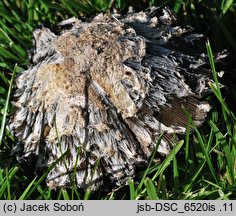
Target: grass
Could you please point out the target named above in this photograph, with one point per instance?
(202, 166)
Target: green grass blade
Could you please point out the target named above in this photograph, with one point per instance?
(177, 6)
(203, 146)
(8, 185)
(87, 194)
(163, 187)
(168, 159)
(151, 189)
(226, 6)
(45, 192)
(132, 190)
(214, 73)
(30, 10)
(2, 90)
(187, 147)
(74, 187)
(176, 177)
(7, 105)
(7, 180)
(164, 164)
(43, 177)
(150, 163)
(4, 78)
(22, 197)
(206, 154)
(4, 53)
(229, 155)
(65, 194)
(189, 185)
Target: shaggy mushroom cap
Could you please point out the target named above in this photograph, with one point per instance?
(99, 94)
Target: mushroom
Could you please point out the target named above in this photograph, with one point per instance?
(98, 95)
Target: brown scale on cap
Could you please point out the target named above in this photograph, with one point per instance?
(108, 87)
